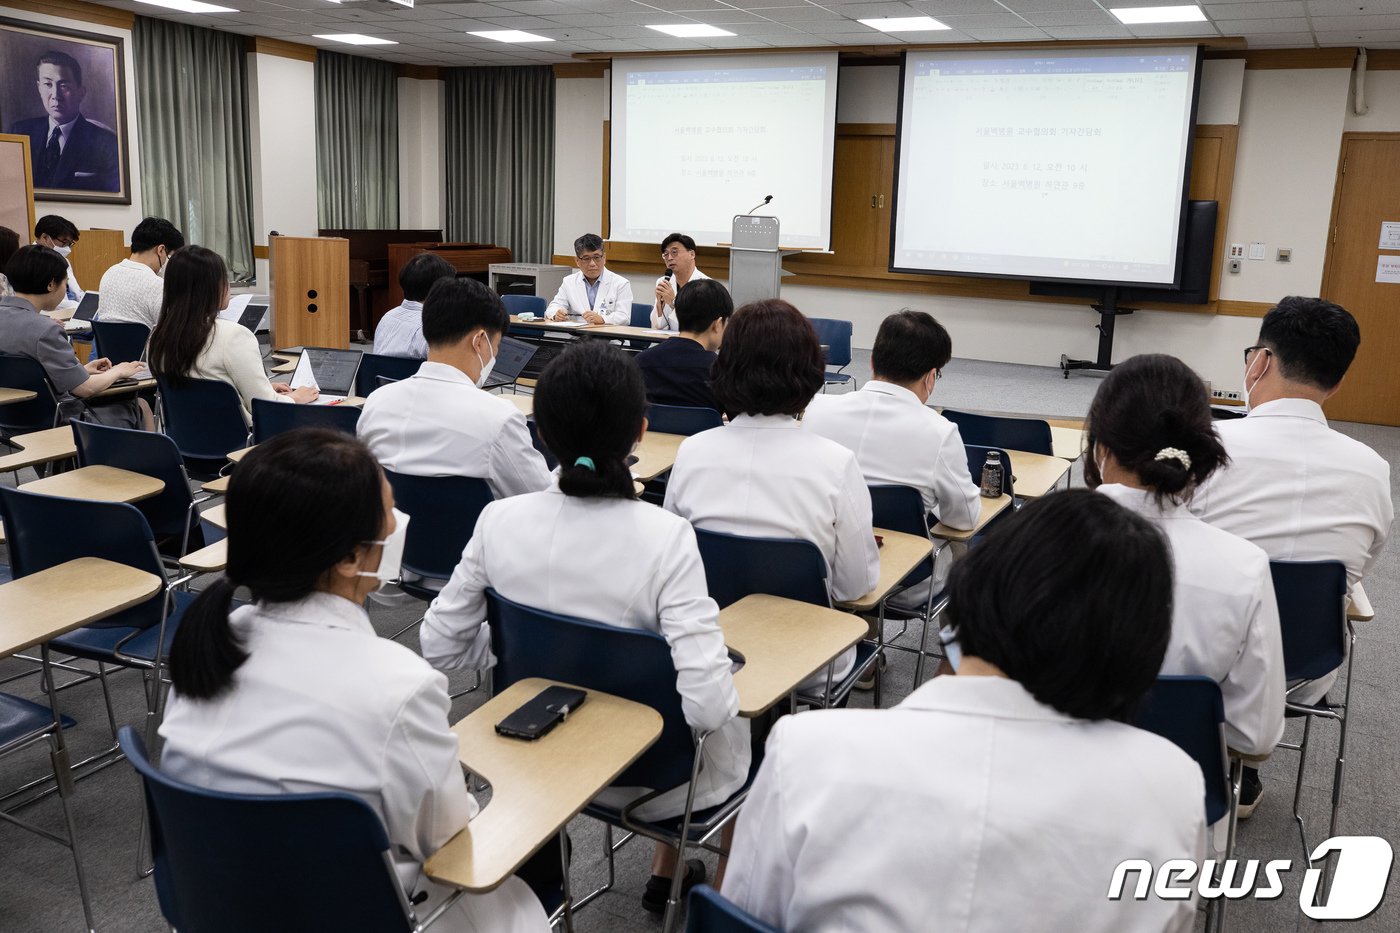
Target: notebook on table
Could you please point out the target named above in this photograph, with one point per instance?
(330, 371)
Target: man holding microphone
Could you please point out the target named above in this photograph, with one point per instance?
(678, 252)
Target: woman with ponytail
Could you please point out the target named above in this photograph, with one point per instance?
(589, 548)
(295, 693)
(1151, 443)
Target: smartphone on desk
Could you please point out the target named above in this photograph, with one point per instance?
(541, 713)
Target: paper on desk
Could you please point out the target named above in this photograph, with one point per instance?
(569, 323)
(235, 308)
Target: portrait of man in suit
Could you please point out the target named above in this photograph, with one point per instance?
(68, 150)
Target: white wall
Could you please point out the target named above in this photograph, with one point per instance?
(1382, 102)
(97, 216)
(579, 108)
(282, 137)
(422, 169)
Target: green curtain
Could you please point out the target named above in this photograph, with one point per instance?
(500, 158)
(192, 116)
(357, 142)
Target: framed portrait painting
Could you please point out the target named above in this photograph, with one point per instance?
(66, 91)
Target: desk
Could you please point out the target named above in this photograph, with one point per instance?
(610, 331)
(656, 454)
(526, 403)
(899, 554)
(215, 516)
(1036, 474)
(55, 601)
(140, 385)
(11, 396)
(216, 487)
(39, 448)
(1067, 443)
(990, 509)
(237, 455)
(1359, 606)
(536, 787)
(98, 484)
(210, 559)
(783, 642)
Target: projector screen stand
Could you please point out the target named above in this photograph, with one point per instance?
(1108, 311)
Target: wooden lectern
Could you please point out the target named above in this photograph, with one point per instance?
(310, 291)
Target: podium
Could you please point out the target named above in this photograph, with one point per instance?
(310, 291)
(755, 258)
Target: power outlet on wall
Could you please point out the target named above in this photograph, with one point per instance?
(1225, 395)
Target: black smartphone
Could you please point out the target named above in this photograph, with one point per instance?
(541, 713)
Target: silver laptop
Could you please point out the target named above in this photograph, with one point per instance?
(82, 317)
(330, 371)
(252, 316)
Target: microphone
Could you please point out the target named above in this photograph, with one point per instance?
(669, 271)
(763, 203)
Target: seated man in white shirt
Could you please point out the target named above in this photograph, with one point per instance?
(1293, 486)
(896, 437)
(132, 289)
(437, 422)
(400, 331)
(678, 252)
(592, 294)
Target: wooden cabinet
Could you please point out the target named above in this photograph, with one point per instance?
(861, 200)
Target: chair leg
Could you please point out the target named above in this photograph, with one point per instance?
(58, 757)
(1340, 767)
(1298, 789)
(568, 917)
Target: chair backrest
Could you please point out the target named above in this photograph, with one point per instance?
(444, 510)
(205, 419)
(1026, 434)
(228, 863)
(630, 663)
(1312, 605)
(708, 912)
(44, 531)
(524, 304)
(682, 419)
(375, 365)
(977, 458)
(271, 418)
(641, 315)
(737, 566)
(836, 335)
(120, 341)
(899, 508)
(539, 445)
(37, 414)
(148, 453)
(1189, 712)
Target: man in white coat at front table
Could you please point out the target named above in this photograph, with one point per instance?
(678, 252)
(592, 294)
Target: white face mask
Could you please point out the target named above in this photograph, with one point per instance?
(486, 368)
(63, 250)
(1262, 351)
(160, 269)
(391, 558)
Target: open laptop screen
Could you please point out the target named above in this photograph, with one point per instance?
(331, 371)
(87, 308)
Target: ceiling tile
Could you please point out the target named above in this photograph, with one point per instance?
(1072, 18)
(685, 6)
(1043, 6)
(1363, 36)
(981, 20)
(1006, 34)
(1088, 32)
(1246, 27)
(1346, 7)
(808, 13)
(1262, 9)
(1359, 23)
(935, 7)
(1172, 30)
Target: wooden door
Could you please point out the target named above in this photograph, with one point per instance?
(855, 212)
(1368, 194)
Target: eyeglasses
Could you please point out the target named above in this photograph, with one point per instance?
(1249, 350)
(937, 375)
(671, 253)
(590, 260)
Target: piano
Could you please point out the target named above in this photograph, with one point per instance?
(369, 270)
(469, 259)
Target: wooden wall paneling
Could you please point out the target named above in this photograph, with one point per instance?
(95, 252)
(75, 9)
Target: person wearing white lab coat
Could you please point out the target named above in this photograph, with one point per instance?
(59, 234)
(400, 331)
(762, 475)
(592, 294)
(896, 437)
(438, 422)
(678, 253)
(296, 693)
(1151, 443)
(1295, 487)
(590, 408)
(1004, 797)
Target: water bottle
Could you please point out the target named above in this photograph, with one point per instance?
(992, 475)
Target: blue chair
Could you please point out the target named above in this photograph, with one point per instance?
(524, 304)
(37, 414)
(170, 513)
(977, 458)
(1317, 640)
(205, 419)
(682, 419)
(539, 445)
(901, 508)
(635, 665)
(737, 566)
(641, 315)
(120, 341)
(708, 912)
(375, 365)
(271, 418)
(1189, 712)
(1025, 434)
(230, 863)
(836, 336)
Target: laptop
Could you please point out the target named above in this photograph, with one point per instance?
(331, 371)
(82, 317)
(252, 316)
(511, 360)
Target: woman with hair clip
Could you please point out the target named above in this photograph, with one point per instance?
(191, 341)
(1151, 443)
(295, 693)
(588, 548)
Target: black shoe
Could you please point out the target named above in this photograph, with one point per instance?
(1251, 792)
(658, 888)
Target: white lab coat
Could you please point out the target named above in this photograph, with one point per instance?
(969, 807)
(400, 332)
(1224, 619)
(324, 704)
(666, 319)
(1301, 491)
(614, 300)
(438, 423)
(618, 562)
(763, 476)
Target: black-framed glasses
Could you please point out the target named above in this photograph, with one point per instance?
(1249, 350)
(937, 375)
